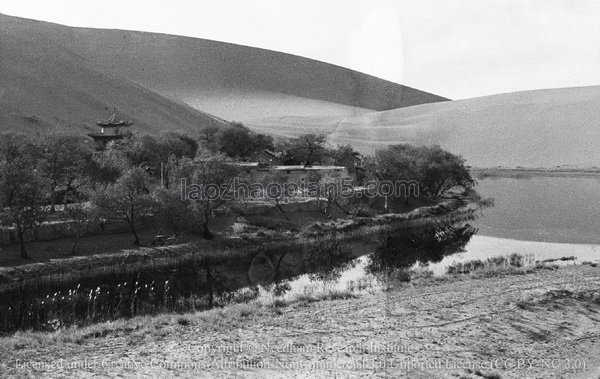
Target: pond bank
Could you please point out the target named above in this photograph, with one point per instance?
(538, 324)
(132, 260)
(191, 277)
(484, 247)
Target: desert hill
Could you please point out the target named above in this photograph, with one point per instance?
(542, 128)
(230, 81)
(52, 75)
(44, 84)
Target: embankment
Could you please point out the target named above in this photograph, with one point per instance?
(132, 260)
(538, 325)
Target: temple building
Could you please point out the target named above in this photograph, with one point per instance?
(111, 130)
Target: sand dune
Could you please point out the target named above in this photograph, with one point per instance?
(44, 84)
(64, 75)
(51, 75)
(543, 128)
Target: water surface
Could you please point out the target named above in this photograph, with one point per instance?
(545, 209)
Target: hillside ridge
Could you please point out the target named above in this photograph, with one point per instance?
(233, 82)
(537, 128)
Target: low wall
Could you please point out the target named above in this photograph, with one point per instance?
(60, 229)
(298, 205)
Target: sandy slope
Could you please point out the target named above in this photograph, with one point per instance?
(538, 325)
(44, 84)
(541, 128)
(231, 81)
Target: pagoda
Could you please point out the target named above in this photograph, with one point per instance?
(113, 123)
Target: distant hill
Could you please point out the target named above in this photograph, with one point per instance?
(57, 74)
(52, 75)
(45, 84)
(543, 128)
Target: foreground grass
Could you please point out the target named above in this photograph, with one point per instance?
(154, 326)
(491, 317)
(265, 303)
(159, 326)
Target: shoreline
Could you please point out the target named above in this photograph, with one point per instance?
(191, 277)
(523, 172)
(466, 321)
(482, 247)
(336, 230)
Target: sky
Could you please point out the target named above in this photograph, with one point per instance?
(458, 49)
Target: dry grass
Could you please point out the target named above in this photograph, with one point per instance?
(137, 328)
(158, 326)
(514, 260)
(513, 264)
(142, 329)
(271, 298)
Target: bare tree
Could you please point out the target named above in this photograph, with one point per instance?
(126, 200)
(65, 159)
(206, 184)
(306, 149)
(21, 201)
(78, 216)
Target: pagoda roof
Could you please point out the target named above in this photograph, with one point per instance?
(114, 122)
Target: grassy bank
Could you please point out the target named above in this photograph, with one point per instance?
(462, 320)
(186, 277)
(126, 261)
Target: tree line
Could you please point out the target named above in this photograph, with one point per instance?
(140, 175)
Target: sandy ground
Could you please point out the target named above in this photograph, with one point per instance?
(544, 324)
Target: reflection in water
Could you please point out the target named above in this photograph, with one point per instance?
(391, 253)
(201, 282)
(402, 250)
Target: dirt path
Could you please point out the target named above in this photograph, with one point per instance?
(539, 325)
